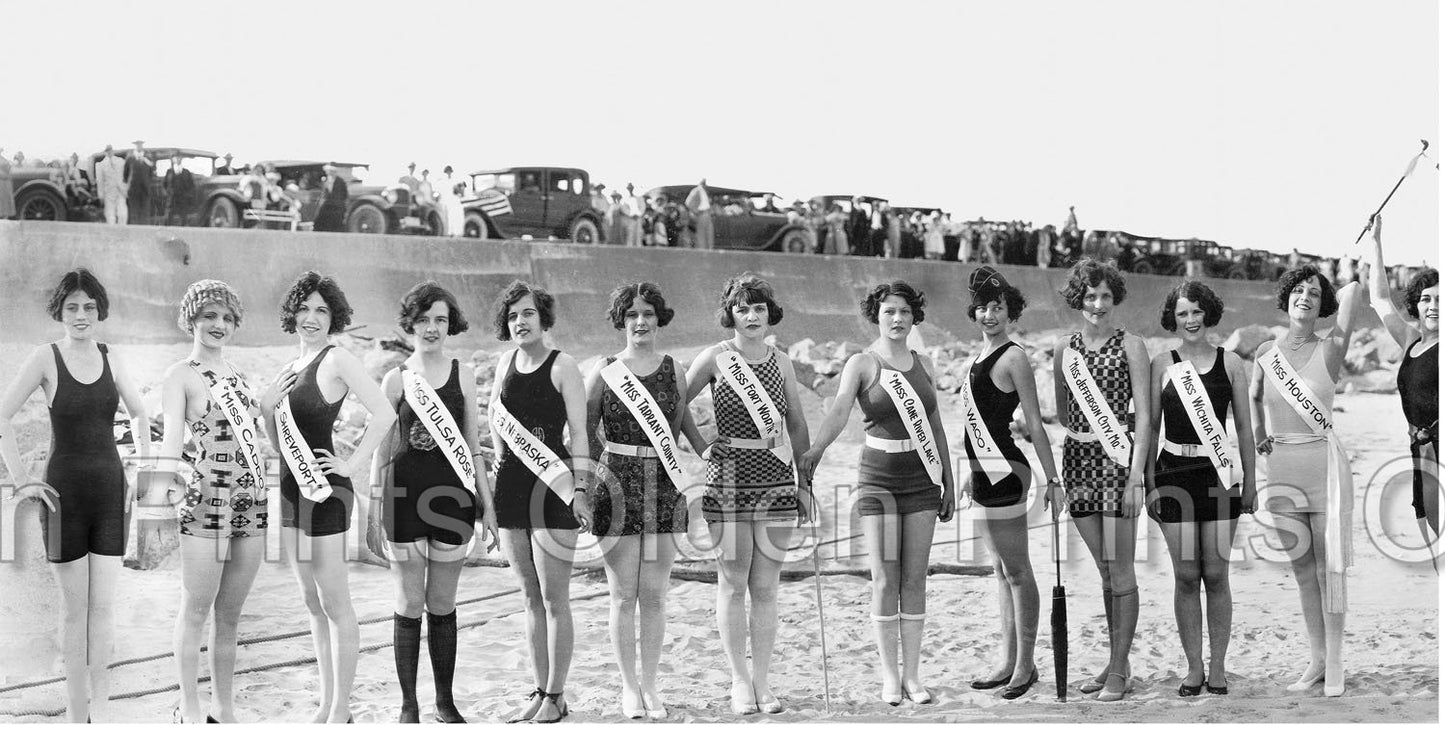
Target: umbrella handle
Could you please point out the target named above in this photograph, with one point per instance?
(1058, 574)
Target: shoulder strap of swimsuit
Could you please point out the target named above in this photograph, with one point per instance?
(1175, 354)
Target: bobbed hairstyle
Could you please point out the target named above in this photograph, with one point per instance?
(747, 288)
(871, 303)
(421, 298)
(307, 284)
(987, 285)
(1293, 277)
(1200, 294)
(1092, 272)
(80, 279)
(514, 293)
(203, 293)
(624, 296)
(1428, 278)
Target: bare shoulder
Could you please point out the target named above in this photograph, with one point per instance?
(1263, 348)
(567, 362)
(1233, 364)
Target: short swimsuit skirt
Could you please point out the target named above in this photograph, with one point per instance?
(223, 500)
(1188, 488)
(894, 483)
(426, 498)
(1298, 472)
(315, 419)
(748, 484)
(639, 497)
(524, 501)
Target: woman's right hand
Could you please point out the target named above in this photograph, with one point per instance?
(807, 463)
(1264, 446)
(38, 490)
(375, 532)
(278, 390)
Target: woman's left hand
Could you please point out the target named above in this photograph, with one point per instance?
(331, 464)
(807, 506)
(582, 510)
(491, 538)
(950, 501)
(1249, 499)
(1133, 496)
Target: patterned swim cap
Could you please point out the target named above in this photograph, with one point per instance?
(201, 293)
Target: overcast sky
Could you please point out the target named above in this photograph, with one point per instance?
(1258, 124)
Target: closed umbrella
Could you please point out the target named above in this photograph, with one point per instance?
(1059, 621)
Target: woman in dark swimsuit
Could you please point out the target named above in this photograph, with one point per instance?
(85, 487)
(313, 532)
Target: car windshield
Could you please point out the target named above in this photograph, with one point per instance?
(506, 181)
(197, 165)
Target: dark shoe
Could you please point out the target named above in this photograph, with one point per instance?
(1216, 690)
(984, 684)
(211, 719)
(558, 702)
(447, 715)
(1013, 692)
(1187, 690)
(409, 715)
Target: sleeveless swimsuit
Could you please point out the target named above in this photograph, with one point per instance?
(1297, 471)
(894, 483)
(748, 484)
(640, 498)
(1189, 489)
(524, 501)
(996, 408)
(222, 500)
(426, 498)
(84, 467)
(1420, 377)
(315, 418)
(1093, 481)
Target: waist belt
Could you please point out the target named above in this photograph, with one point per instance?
(1298, 438)
(888, 445)
(756, 444)
(629, 450)
(1187, 450)
(1089, 437)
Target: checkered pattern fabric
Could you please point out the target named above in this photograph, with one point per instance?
(748, 484)
(1093, 482)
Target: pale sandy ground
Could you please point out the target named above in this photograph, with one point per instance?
(1392, 643)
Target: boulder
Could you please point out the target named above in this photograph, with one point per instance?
(379, 361)
(844, 350)
(801, 350)
(1245, 340)
(1375, 381)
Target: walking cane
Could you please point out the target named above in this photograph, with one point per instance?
(1409, 169)
(1059, 620)
(818, 596)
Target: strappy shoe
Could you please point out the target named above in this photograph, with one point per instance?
(1014, 692)
(771, 706)
(1306, 682)
(558, 701)
(1187, 690)
(1106, 695)
(532, 704)
(655, 710)
(921, 696)
(1216, 690)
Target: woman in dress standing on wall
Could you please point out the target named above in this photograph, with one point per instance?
(1097, 373)
(428, 488)
(638, 510)
(85, 487)
(539, 390)
(316, 489)
(1310, 493)
(753, 499)
(905, 484)
(1199, 491)
(1000, 380)
(1418, 379)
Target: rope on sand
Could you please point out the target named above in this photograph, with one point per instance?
(298, 661)
(706, 575)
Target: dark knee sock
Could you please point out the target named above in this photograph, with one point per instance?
(441, 645)
(1109, 612)
(406, 637)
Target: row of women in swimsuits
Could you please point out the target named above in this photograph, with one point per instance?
(430, 499)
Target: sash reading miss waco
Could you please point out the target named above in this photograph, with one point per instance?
(745, 384)
(243, 426)
(1212, 436)
(1281, 375)
(910, 409)
(1101, 419)
(645, 409)
(433, 413)
(985, 450)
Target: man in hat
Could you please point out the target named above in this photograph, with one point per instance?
(632, 210)
(110, 176)
(138, 178)
(409, 179)
(700, 207)
(225, 168)
(180, 190)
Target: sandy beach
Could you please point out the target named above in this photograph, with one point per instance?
(1391, 654)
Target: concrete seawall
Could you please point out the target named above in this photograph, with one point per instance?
(147, 268)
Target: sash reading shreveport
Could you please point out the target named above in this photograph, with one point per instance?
(1339, 553)
(910, 409)
(243, 427)
(1102, 421)
(532, 452)
(745, 383)
(299, 456)
(985, 450)
(443, 428)
(648, 413)
(1212, 435)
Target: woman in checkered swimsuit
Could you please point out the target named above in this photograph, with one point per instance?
(1105, 497)
(752, 500)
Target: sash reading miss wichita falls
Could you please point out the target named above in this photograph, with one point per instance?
(433, 414)
(1211, 432)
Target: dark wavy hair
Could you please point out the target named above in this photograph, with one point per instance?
(421, 298)
(1012, 299)
(546, 307)
(80, 279)
(1425, 279)
(1092, 272)
(309, 283)
(747, 288)
(1200, 294)
(623, 297)
(1292, 278)
(874, 300)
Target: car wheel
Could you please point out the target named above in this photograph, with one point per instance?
(475, 226)
(366, 218)
(222, 213)
(435, 225)
(40, 204)
(1143, 267)
(795, 241)
(584, 231)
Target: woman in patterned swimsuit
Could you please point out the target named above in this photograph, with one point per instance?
(637, 511)
(223, 513)
(752, 500)
(1105, 496)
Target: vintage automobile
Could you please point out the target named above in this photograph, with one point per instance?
(542, 202)
(370, 208)
(41, 193)
(741, 220)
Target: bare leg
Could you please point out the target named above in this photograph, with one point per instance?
(770, 548)
(334, 589)
(237, 577)
(1008, 537)
(882, 539)
(100, 643)
(916, 537)
(75, 596)
(320, 632)
(517, 547)
(1293, 528)
(622, 560)
(654, 579)
(734, 563)
(201, 571)
(1183, 541)
(1216, 540)
(552, 551)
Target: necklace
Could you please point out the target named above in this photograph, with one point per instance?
(1295, 343)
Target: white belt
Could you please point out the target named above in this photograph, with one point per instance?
(757, 444)
(1089, 437)
(888, 445)
(629, 450)
(1186, 450)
